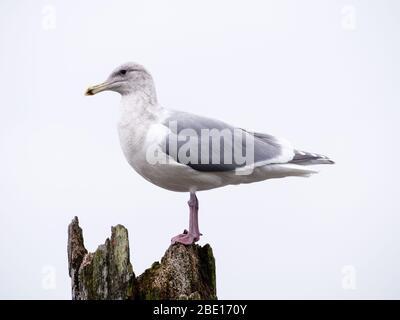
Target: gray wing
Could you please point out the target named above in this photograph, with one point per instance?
(211, 145)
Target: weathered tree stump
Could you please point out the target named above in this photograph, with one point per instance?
(185, 272)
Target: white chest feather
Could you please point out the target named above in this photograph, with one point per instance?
(138, 127)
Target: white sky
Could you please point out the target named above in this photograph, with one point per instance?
(305, 70)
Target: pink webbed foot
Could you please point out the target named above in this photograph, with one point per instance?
(193, 235)
(186, 238)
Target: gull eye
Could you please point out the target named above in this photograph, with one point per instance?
(123, 72)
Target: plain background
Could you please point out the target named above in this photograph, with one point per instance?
(323, 74)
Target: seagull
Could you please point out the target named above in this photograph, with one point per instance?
(184, 152)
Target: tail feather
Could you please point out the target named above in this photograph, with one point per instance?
(308, 158)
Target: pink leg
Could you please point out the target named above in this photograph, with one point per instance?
(193, 235)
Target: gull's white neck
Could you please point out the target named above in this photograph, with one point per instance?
(139, 111)
(139, 106)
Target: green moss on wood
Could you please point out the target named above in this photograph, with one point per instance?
(184, 272)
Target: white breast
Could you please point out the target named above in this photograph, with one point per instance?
(137, 135)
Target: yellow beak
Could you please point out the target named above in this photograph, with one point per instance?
(96, 89)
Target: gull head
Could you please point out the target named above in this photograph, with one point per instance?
(126, 79)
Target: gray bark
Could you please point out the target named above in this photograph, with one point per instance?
(184, 272)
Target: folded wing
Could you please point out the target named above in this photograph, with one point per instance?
(211, 145)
